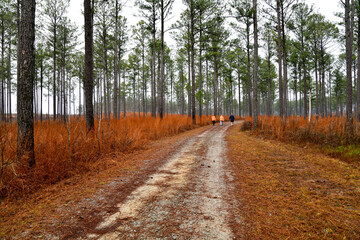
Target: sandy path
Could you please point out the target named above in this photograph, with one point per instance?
(188, 197)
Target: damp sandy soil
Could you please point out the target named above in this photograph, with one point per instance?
(182, 189)
(188, 197)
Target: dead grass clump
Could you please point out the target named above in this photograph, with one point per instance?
(63, 150)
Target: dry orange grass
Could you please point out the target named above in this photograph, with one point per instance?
(329, 133)
(65, 150)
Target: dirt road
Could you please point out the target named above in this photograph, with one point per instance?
(188, 197)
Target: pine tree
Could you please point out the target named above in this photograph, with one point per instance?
(26, 76)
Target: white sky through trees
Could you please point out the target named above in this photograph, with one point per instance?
(328, 8)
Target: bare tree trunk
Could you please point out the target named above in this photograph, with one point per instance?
(300, 99)
(189, 71)
(192, 44)
(256, 110)
(285, 89)
(2, 95)
(88, 81)
(305, 92)
(182, 90)
(153, 91)
(349, 20)
(26, 76)
(115, 103)
(248, 67)
(330, 96)
(80, 107)
(215, 86)
(316, 80)
(358, 70)
(324, 107)
(124, 95)
(9, 81)
(200, 67)
(296, 91)
(239, 84)
(207, 86)
(143, 82)
(281, 93)
(54, 69)
(162, 63)
(41, 88)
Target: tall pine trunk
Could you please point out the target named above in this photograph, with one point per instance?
(349, 19)
(162, 63)
(153, 84)
(192, 44)
(256, 110)
(88, 81)
(2, 92)
(248, 67)
(358, 66)
(115, 101)
(26, 76)
(281, 93)
(9, 81)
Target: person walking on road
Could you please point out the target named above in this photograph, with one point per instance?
(213, 119)
(222, 120)
(232, 119)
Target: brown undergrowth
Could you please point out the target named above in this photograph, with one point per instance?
(59, 209)
(330, 134)
(291, 192)
(63, 150)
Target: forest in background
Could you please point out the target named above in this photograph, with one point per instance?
(124, 70)
(211, 69)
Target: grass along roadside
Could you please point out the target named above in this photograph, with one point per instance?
(66, 203)
(288, 192)
(63, 150)
(326, 133)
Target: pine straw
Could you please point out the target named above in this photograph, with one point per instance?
(291, 192)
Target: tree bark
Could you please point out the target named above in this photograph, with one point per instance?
(54, 69)
(9, 80)
(41, 87)
(281, 93)
(200, 66)
(349, 38)
(153, 90)
(115, 103)
(248, 67)
(285, 89)
(358, 70)
(256, 110)
(192, 44)
(239, 83)
(88, 82)
(2, 95)
(26, 76)
(215, 86)
(162, 63)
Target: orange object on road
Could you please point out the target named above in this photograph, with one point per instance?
(213, 118)
(222, 118)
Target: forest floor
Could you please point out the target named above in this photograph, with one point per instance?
(213, 182)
